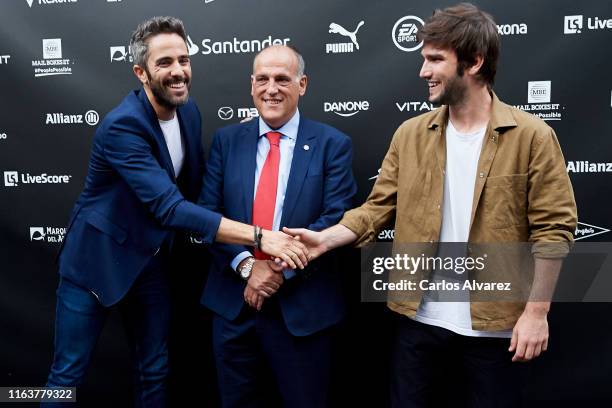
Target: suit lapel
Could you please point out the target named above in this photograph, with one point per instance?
(299, 168)
(165, 160)
(248, 154)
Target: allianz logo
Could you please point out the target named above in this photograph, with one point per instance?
(512, 29)
(90, 117)
(346, 109)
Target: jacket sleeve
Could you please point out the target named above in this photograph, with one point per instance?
(132, 157)
(211, 198)
(339, 185)
(551, 208)
(380, 206)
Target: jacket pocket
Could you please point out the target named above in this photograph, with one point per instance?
(103, 224)
(505, 200)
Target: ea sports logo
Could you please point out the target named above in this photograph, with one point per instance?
(405, 31)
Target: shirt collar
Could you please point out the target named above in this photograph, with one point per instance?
(289, 129)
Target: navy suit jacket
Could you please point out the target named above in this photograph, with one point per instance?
(319, 189)
(131, 201)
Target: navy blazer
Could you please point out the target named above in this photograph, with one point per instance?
(131, 201)
(320, 189)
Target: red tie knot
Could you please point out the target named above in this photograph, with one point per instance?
(274, 138)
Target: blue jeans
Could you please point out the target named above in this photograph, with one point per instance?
(146, 314)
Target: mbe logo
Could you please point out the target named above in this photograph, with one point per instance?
(539, 101)
(53, 62)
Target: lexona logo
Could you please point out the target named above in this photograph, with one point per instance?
(512, 29)
(52, 63)
(539, 96)
(414, 106)
(584, 230)
(227, 113)
(49, 2)
(14, 178)
(404, 33)
(343, 47)
(584, 166)
(346, 109)
(90, 117)
(575, 24)
(121, 53)
(47, 234)
(386, 235)
(237, 46)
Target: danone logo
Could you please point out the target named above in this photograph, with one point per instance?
(346, 109)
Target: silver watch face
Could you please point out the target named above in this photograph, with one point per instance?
(245, 272)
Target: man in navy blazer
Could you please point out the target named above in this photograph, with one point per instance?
(266, 316)
(144, 173)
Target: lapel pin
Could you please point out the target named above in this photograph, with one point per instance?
(306, 147)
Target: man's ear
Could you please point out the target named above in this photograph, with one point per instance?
(303, 84)
(141, 74)
(475, 69)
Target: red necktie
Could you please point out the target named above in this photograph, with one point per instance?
(265, 197)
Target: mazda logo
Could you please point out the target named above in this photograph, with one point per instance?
(225, 113)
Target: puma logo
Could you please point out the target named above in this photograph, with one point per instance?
(338, 29)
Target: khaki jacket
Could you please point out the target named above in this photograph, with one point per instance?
(522, 194)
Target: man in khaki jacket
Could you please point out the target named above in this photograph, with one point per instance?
(474, 171)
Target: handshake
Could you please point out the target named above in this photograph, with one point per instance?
(292, 248)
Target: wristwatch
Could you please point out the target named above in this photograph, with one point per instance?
(247, 267)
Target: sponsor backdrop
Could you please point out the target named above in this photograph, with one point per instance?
(65, 63)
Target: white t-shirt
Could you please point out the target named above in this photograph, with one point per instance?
(172, 134)
(462, 154)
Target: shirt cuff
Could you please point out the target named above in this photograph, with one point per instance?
(239, 258)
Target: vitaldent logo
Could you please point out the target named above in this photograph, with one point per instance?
(227, 112)
(346, 109)
(121, 53)
(4, 59)
(414, 106)
(584, 230)
(237, 46)
(52, 62)
(47, 234)
(49, 2)
(538, 101)
(13, 179)
(575, 24)
(344, 47)
(512, 29)
(584, 166)
(404, 33)
(90, 117)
